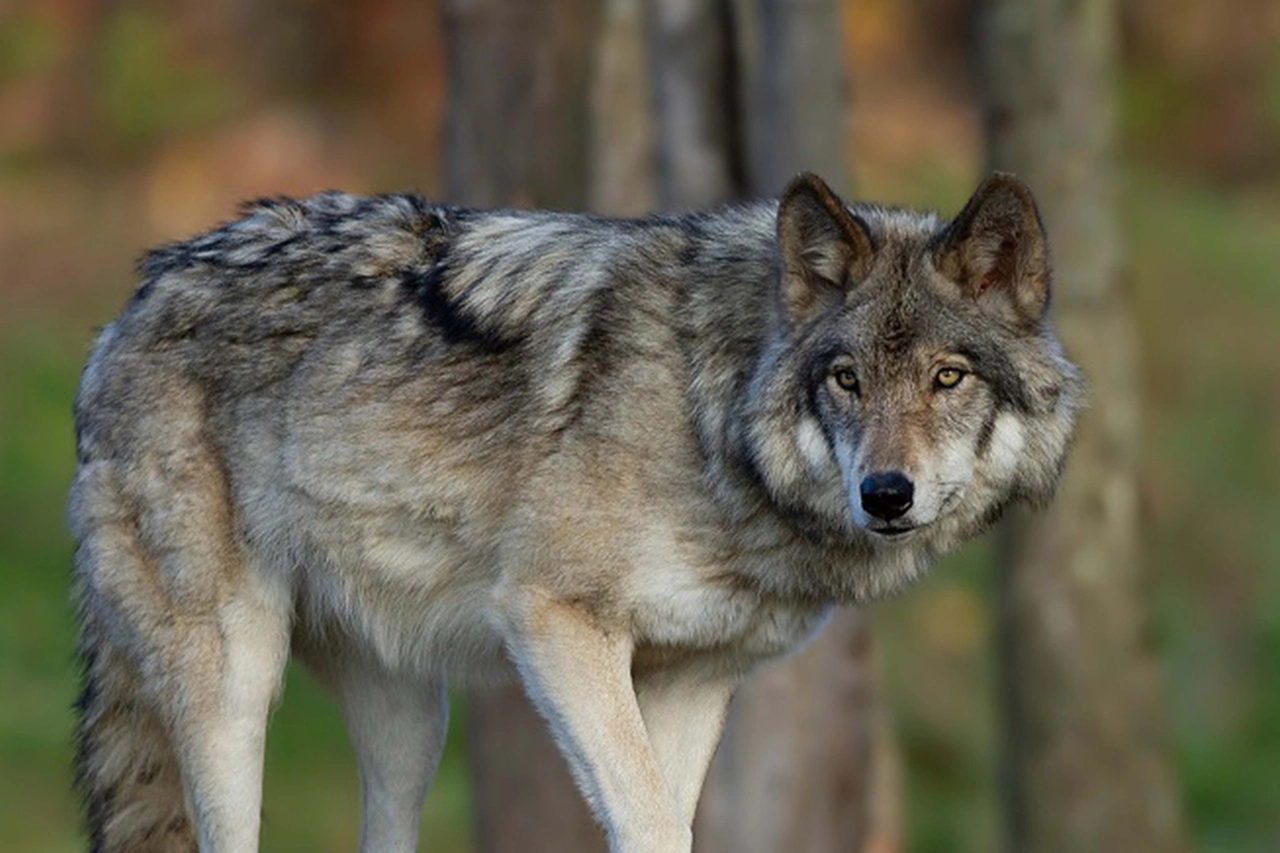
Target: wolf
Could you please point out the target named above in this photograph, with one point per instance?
(622, 461)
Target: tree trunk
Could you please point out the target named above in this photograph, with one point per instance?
(795, 93)
(695, 75)
(807, 763)
(811, 724)
(516, 126)
(1087, 766)
(623, 173)
(517, 133)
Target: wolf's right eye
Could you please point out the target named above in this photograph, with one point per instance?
(846, 379)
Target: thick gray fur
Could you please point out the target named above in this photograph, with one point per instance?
(619, 460)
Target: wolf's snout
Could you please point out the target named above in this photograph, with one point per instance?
(886, 494)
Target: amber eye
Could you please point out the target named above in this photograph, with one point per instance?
(846, 379)
(948, 377)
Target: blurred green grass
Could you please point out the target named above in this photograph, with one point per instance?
(1203, 271)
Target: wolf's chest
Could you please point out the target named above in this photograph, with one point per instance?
(679, 610)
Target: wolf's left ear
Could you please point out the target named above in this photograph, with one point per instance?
(996, 251)
(825, 248)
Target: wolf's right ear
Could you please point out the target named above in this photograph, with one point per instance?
(825, 248)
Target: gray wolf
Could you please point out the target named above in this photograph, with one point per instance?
(622, 461)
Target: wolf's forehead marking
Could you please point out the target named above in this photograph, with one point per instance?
(896, 224)
(897, 332)
(903, 238)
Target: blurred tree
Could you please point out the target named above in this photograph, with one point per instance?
(516, 123)
(516, 133)
(794, 90)
(1087, 764)
(623, 168)
(695, 75)
(807, 762)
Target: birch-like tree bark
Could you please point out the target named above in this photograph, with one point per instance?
(807, 762)
(517, 134)
(695, 77)
(1087, 763)
(623, 156)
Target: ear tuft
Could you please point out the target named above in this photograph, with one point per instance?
(824, 247)
(996, 251)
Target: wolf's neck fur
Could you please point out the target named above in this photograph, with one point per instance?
(729, 319)
(730, 327)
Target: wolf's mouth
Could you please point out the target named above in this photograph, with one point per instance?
(890, 532)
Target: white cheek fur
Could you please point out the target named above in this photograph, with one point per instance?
(1007, 442)
(813, 445)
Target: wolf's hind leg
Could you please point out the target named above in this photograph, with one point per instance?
(397, 726)
(231, 671)
(174, 712)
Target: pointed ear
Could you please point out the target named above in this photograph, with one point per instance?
(996, 251)
(825, 248)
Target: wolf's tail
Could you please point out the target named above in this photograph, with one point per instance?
(126, 768)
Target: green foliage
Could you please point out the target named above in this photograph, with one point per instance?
(27, 45)
(1151, 103)
(1206, 294)
(36, 636)
(147, 88)
(941, 679)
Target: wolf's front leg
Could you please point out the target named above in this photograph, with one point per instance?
(578, 675)
(684, 709)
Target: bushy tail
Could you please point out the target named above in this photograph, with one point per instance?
(126, 768)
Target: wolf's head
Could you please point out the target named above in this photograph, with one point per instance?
(913, 387)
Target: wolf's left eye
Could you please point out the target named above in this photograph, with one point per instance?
(948, 377)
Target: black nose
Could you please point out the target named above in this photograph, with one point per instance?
(886, 494)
